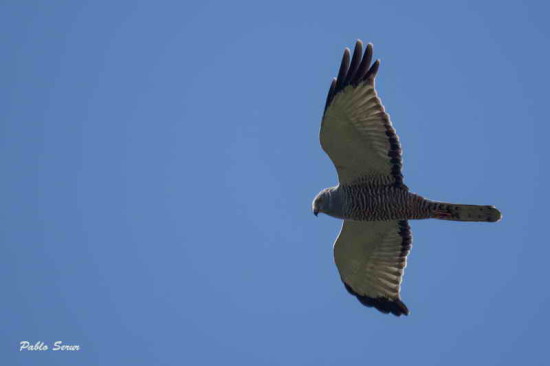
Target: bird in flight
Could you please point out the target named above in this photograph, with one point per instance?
(357, 134)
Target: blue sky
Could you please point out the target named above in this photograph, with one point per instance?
(159, 160)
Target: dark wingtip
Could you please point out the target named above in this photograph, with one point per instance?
(401, 307)
(382, 304)
(344, 67)
(371, 74)
(369, 51)
(356, 72)
(331, 92)
(364, 66)
(355, 61)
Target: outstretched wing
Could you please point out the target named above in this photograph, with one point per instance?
(371, 257)
(356, 132)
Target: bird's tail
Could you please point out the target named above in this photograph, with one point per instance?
(457, 212)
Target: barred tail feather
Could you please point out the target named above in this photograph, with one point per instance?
(457, 212)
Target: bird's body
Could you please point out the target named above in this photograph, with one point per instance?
(357, 134)
(364, 202)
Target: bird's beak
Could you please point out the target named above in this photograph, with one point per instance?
(316, 212)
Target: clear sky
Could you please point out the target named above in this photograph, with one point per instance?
(159, 160)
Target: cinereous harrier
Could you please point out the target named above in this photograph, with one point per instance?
(357, 134)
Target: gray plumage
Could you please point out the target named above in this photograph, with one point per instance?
(371, 198)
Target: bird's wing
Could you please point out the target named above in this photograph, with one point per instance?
(371, 257)
(356, 132)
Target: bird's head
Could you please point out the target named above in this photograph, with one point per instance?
(321, 202)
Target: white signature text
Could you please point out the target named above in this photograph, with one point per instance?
(41, 346)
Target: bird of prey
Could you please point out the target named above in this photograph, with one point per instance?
(357, 134)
